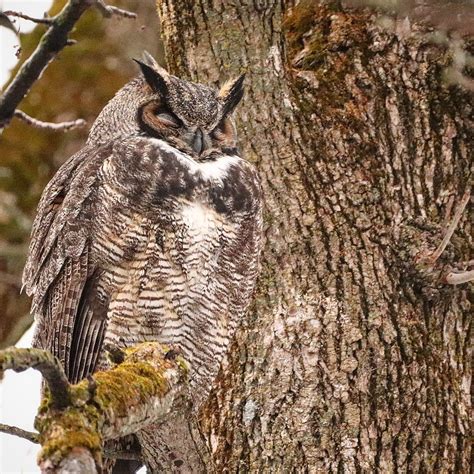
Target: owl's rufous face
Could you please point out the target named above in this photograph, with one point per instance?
(191, 117)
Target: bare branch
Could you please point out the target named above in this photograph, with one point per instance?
(19, 360)
(53, 41)
(50, 45)
(43, 21)
(109, 10)
(61, 126)
(5, 22)
(14, 431)
(450, 230)
(457, 278)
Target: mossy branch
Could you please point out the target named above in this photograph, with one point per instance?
(112, 403)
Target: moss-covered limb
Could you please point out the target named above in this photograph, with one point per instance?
(19, 359)
(111, 404)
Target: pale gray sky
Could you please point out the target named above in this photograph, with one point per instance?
(8, 40)
(19, 399)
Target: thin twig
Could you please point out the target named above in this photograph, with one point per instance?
(457, 278)
(5, 22)
(19, 360)
(61, 126)
(14, 431)
(451, 228)
(53, 41)
(44, 21)
(109, 10)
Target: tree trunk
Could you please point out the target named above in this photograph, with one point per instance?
(356, 356)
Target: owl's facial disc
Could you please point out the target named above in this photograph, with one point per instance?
(191, 117)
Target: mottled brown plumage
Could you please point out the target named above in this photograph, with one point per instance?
(151, 232)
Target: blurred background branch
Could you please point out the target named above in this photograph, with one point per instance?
(62, 126)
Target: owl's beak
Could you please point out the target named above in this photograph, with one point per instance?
(199, 142)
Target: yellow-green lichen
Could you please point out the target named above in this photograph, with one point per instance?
(183, 366)
(61, 431)
(105, 400)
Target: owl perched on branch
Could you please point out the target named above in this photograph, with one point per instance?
(151, 232)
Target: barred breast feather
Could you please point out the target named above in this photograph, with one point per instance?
(136, 241)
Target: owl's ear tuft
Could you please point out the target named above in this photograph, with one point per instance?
(156, 77)
(231, 94)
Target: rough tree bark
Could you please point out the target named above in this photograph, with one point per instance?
(356, 356)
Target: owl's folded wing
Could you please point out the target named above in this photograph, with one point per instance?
(60, 274)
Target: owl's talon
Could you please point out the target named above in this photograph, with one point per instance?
(91, 386)
(115, 354)
(172, 354)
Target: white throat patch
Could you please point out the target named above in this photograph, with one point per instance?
(210, 170)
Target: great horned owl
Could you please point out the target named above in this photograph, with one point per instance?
(151, 232)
